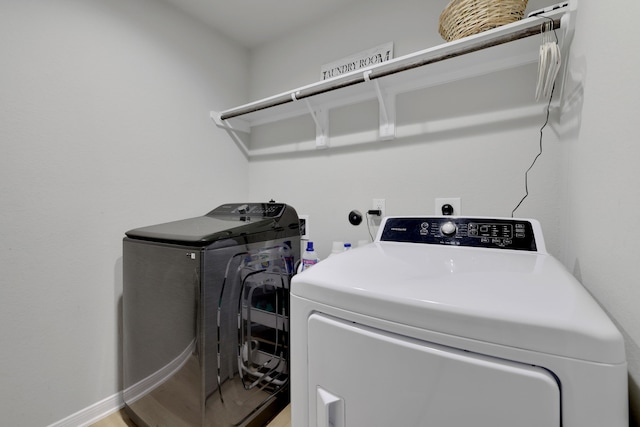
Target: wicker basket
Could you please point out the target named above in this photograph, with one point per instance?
(463, 18)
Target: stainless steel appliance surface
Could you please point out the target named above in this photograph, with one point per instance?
(206, 317)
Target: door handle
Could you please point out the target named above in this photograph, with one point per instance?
(329, 409)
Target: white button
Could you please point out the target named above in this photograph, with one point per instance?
(448, 228)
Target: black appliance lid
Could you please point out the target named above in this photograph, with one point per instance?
(226, 221)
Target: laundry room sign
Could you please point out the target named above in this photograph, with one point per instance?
(359, 60)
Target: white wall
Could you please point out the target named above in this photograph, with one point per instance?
(484, 165)
(584, 186)
(600, 167)
(104, 127)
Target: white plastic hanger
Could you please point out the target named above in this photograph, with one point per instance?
(549, 62)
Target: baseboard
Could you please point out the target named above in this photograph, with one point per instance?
(146, 385)
(93, 413)
(111, 404)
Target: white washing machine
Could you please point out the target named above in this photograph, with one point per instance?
(450, 322)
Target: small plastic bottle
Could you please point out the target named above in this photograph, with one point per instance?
(309, 258)
(347, 246)
(337, 248)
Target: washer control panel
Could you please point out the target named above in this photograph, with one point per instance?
(500, 233)
(258, 210)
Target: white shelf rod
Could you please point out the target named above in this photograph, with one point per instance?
(457, 48)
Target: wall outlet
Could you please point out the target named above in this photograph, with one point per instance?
(304, 226)
(378, 204)
(453, 201)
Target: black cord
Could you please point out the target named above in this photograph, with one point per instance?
(546, 122)
(369, 227)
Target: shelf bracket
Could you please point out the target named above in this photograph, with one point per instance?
(240, 126)
(321, 118)
(387, 110)
(234, 125)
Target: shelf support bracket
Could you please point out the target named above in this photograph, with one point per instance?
(234, 125)
(387, 110)
(321, 118)
(242, 126)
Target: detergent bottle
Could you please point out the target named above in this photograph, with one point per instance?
(309, 257)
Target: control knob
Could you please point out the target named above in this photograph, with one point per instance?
(448, 229)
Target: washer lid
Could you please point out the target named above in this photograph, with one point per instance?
(227, 221)
(520, 299)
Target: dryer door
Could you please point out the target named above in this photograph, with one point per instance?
(359, 376)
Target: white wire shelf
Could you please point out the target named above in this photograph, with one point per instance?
(502, 48)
